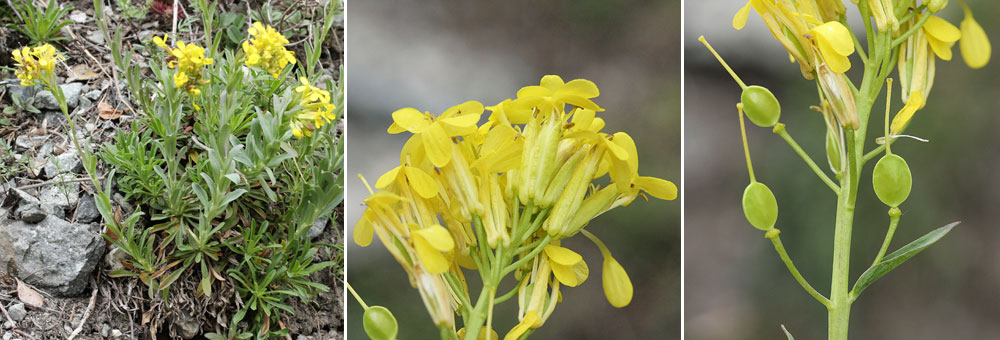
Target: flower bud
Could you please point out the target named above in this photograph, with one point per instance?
(760, 106)
(759, 206)
(892, 180)
(936, 5)
(833, 151)
(975, 45)
(380, 324)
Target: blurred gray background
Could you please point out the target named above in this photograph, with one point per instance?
(737, 287)
(434, 54)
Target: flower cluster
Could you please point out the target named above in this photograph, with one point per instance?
(188, 60)
(499, 198)
(36, 65)
(266, 49)
(318, 109)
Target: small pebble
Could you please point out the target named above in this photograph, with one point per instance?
(7, 336)
(17, 312)
(8, 325)
(116, 333)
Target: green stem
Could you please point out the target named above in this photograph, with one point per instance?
(911, 31)
(780, 248)
(506, 296)
(474, 323)
(521, 261)
(893, 222)
(782, 131)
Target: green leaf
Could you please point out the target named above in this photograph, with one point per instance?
(897, 258)
(123, 273)
(789, 335)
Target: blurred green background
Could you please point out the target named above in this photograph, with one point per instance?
(433, 54)
(736, 286)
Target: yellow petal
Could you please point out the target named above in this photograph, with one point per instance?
(428, 243)
(530, 319)
(573, 275)
(410, 119)
(836, 62)
(942, 30)
(437, 143)
(421, 182)
(461, 125)
(581, 87)
(562, 256)
(659, 188)
(437, 237)
(617, 286)
(836, 36)
(740, 19)
(363, 230)
(552, 82)
(626, 142)
(387, 178)
(469, 107)
(975, 45)
(916, 102)
(941, 49)
(533, 91)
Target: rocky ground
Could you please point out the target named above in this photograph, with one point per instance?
(54, 265)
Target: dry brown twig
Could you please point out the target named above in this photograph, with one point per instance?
(86, 315)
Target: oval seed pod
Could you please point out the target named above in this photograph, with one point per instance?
(759, 206)
(892, 180)
(760, 105)
(380, 324)
(833, 152)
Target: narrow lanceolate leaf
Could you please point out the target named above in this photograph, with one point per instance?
(897, 258)
(789, 335)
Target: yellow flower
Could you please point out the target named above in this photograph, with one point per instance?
(433, 245)
(529, 321)
(435, 132)
(568, 266)
(188, 60)
(36, 65)
(835, 44)
(553, 94)
(941, 35)
(318, 109)
(266, 49)
(975, 45)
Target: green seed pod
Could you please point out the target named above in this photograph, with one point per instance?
(759, 206)
(892, 180)
(760, 105)
(380, 324)
(833, 151)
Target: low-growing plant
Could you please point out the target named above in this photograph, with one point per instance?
(42, 25)
(234, 156)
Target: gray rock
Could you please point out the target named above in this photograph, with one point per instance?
(8, 336)
(86, 211)
(17, 312)
(96, 37)
(116, 333)
(318, 227)
(31, 213)
(8, 325)
(105, 330)
(187, 326)
(78, 17)
(93, 95)
(22, 92)
(45, 99)
(67, 162)
(61, 195)
(54, 255)
(26, 142)
(113, 259)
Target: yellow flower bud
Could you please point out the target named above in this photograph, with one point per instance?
(975, 45)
